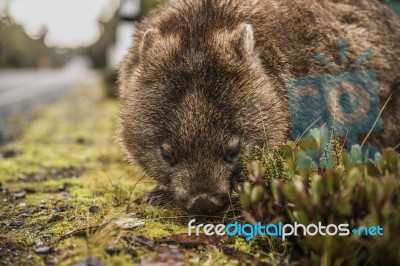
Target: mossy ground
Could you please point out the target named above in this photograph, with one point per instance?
(65, 190)
(68, 168)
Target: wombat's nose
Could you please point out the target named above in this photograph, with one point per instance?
(204, 204)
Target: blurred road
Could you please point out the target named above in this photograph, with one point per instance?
(19, 88)
(23, 90)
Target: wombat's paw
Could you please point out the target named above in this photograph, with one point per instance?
(158, 197)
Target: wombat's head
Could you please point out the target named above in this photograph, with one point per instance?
(191, 101)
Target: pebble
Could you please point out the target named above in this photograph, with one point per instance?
(15, 224)
(46, 236)
(55, 218)
(53, 261)
(56, 171)
(128, 223)
(65, 194)
(113, 250)
(30, 190)
(90, 261)
(22, 178)
(44, 250)
(63, 208)
(20, 195)
(131, 252)
(24, 215)
(62, 188)
(42, 207)
(94, 209)
(41, 227)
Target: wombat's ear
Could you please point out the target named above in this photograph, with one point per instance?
(235, 44)
(243, 38)
(148, 40)
(154, 43)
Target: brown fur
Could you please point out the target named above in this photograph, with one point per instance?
(202, 72)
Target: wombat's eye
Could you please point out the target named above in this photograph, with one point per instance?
(233, 150)
(166, 154)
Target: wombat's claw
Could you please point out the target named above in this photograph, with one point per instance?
(157, 197)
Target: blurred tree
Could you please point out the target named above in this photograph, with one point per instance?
(97, 52)
(147, 5)
(17, 49)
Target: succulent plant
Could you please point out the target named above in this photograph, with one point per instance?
(349, 192)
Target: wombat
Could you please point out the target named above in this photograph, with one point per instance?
(205, 80)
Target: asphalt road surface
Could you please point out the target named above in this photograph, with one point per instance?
(21, 91)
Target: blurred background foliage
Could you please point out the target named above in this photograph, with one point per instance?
(147, 5)
(17, 49)
(97, 52)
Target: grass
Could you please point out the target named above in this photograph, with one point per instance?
(67, 164)
(64, 186)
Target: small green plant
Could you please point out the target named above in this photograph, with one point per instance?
(350, 193)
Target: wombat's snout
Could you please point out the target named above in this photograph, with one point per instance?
(206, 204)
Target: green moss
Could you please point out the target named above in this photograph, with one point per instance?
(161, 228)
(68, 160)
(242, 245)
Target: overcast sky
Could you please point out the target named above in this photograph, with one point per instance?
(70, 23)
